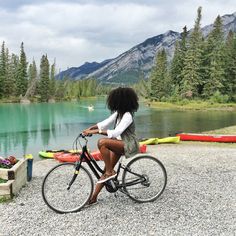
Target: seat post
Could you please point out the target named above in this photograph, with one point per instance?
(121, 159)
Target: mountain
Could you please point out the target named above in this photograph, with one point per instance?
(137, 62)
(82, 71)
(129, 66)
(228, 21)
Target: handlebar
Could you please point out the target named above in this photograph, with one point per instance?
(81, 135)
(84, 136)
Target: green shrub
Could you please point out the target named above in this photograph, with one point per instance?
(163, 99)
(183, 102)
(219, 98)
(174, 99)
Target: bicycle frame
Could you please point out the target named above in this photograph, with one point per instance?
(132, 179)
(95, 168)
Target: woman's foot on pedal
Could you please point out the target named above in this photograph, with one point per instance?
(105, 177)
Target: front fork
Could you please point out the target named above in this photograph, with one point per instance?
(77, 168)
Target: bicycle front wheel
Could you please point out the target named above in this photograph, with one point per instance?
(55, 188)
(144, 178)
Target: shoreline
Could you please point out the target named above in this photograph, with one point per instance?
(15, 100)
(181, 105)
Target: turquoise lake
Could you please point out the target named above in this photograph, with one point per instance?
(30, 128)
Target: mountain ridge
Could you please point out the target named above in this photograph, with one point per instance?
(136, 63)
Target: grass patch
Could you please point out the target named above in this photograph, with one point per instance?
(4, 200)
(2, 181)
(193, 105)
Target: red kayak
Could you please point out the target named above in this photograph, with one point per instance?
(207, 137)
(73, 157)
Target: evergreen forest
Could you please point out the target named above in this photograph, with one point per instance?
(202, 68)
(21, 80)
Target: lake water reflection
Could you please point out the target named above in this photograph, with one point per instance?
(34, 127)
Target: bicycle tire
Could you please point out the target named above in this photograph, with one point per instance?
(151, 169)
(55, 193)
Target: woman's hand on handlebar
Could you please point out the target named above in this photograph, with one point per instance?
(88, 132)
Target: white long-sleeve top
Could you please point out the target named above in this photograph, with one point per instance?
(121, 125)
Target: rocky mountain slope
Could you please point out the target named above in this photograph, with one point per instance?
(82, 71)
(137, 62)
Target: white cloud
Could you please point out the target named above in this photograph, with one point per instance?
(77, 31)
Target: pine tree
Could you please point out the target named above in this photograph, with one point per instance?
(142, 87)
(44, 79)
(159, 77)
(214, 60)
(33, 81)
(52, 80)
(91, 87)
(177, 63)
(22, 82)
(60, 90)
(230, 67)
(2, 70)
(153, 83)
(191, 73)
(8, 81)
(12, 74)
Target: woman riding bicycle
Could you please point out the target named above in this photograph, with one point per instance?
(122, 102)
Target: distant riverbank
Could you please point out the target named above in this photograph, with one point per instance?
(193, 105)
(10, 100)
(180, 105)
(36, 100)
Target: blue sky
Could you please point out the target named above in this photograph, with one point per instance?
(75, 31)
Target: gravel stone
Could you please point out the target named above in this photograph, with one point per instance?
(199, 199)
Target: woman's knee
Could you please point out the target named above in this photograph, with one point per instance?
(102, 142)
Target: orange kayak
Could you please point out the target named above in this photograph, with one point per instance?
(73, 157)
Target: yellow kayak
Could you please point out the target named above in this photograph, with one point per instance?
(152, 141)
(175, 139)
(149, 141)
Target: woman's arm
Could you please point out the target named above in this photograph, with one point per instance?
(125, 122)
(105, 123)
(92, 127)
(100, 126)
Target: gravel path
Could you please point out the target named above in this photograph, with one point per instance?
(199, 199)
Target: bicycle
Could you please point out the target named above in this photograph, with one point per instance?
(67, 187)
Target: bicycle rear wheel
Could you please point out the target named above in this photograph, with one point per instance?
(144, 178)
(55, 192)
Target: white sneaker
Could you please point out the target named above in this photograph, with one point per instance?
(105, 178)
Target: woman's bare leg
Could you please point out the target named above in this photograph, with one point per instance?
(106, 145)
(114, 159)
